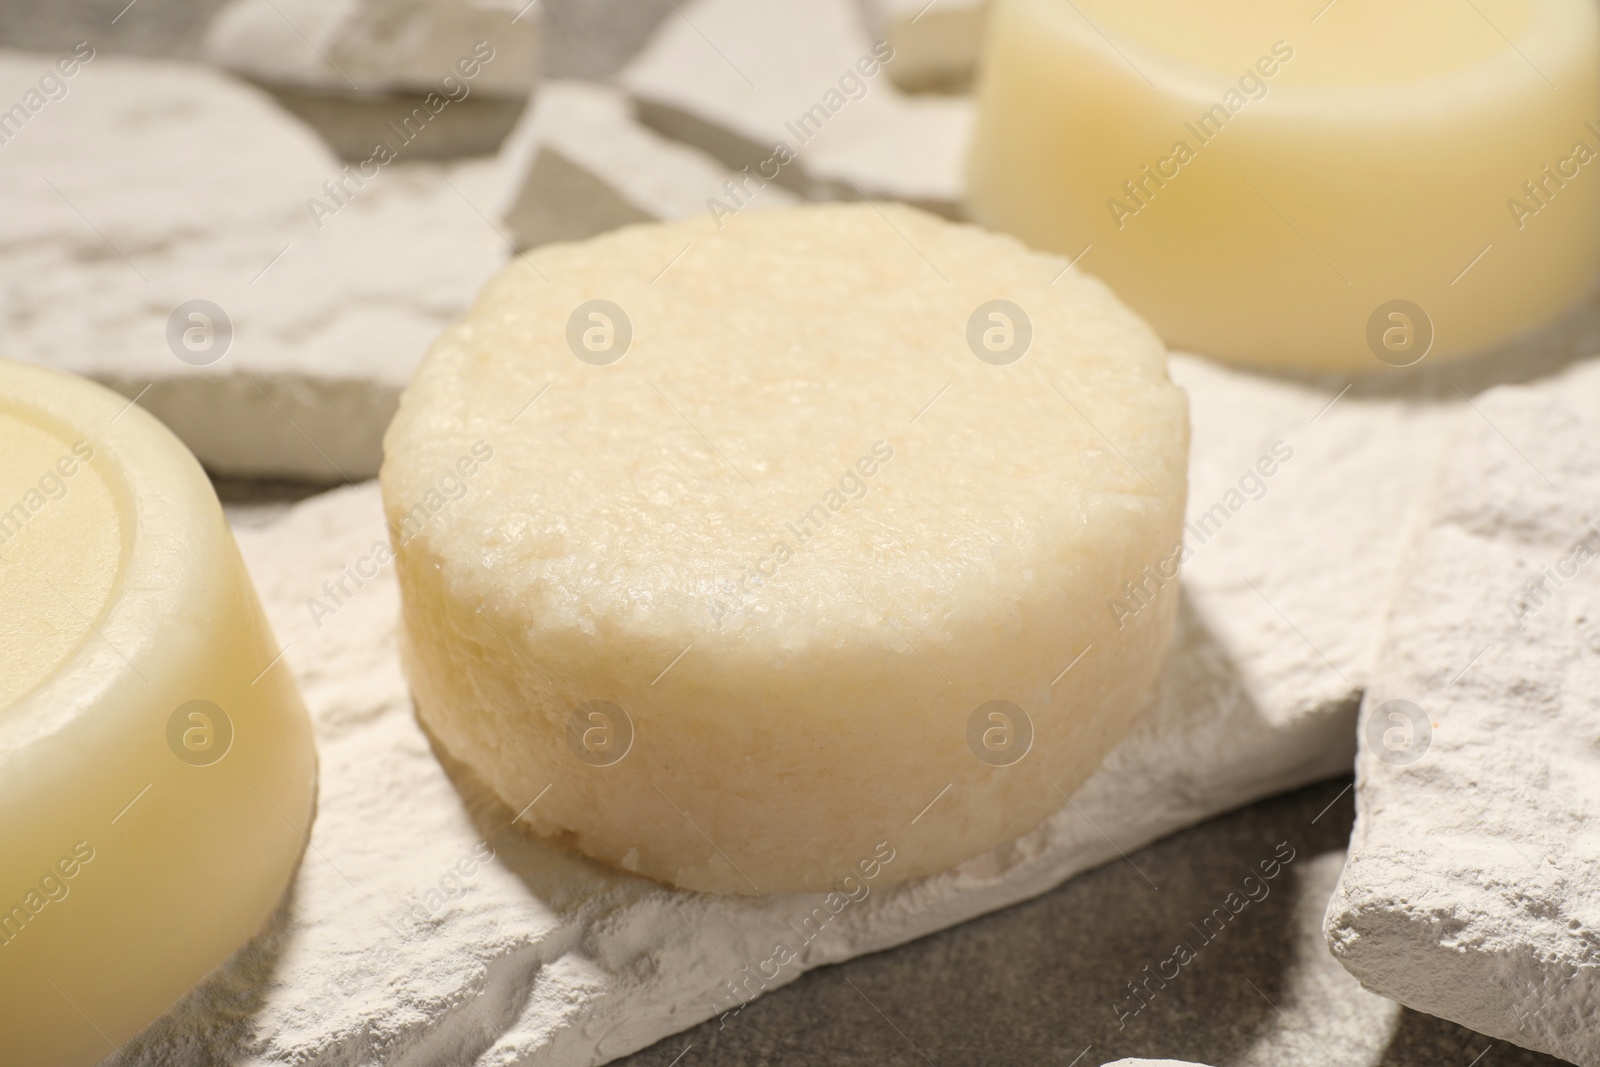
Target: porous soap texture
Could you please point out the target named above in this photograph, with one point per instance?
(746, 557)
(157, 773)
(1342, 186)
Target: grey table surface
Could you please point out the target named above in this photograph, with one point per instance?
(1040, 982)
(1047, 981)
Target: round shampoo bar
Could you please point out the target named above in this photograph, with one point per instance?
(157, 773)
(1341, 186)
(794, 553)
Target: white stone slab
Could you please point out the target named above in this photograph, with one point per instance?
(356, 70)
(1294, 587)
(542, 954)
(377, 46)
(152, 184)
(734, 79)
(590, 166)
(1154, 1063)
(936, 42)
(1472, 889)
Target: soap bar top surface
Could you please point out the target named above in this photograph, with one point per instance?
(777, 368)
(744, 543)
(1372, 42)
(58, 512)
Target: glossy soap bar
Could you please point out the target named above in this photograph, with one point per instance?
(157, 771)
(1342, 186)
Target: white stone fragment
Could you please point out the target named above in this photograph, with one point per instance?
(1154, 1063)
(936, 42)
(1472, 889)
(590, 166)
(737, 79)
(151, 184)
(355, 70)
(376, 46)
(537, 953)
(541, 954)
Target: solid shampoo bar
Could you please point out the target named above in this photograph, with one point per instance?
(752, 558)
(157, 773)
(1344, 186)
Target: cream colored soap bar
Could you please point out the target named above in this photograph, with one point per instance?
(758, 558)
(157, 773)
(1341, 185)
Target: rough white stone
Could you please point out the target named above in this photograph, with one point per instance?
(735, 78)
(590, 166)
(1293, 590)
(1471, 887)
(155, 183)
(359, 70)
(1154, 1063)
(936, 42)
(376, 46)
(543, 954)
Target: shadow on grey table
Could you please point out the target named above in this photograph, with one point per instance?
(1052, 980)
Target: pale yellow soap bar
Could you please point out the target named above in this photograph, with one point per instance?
(157, 772)
(1346, 185)
(762, 557)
